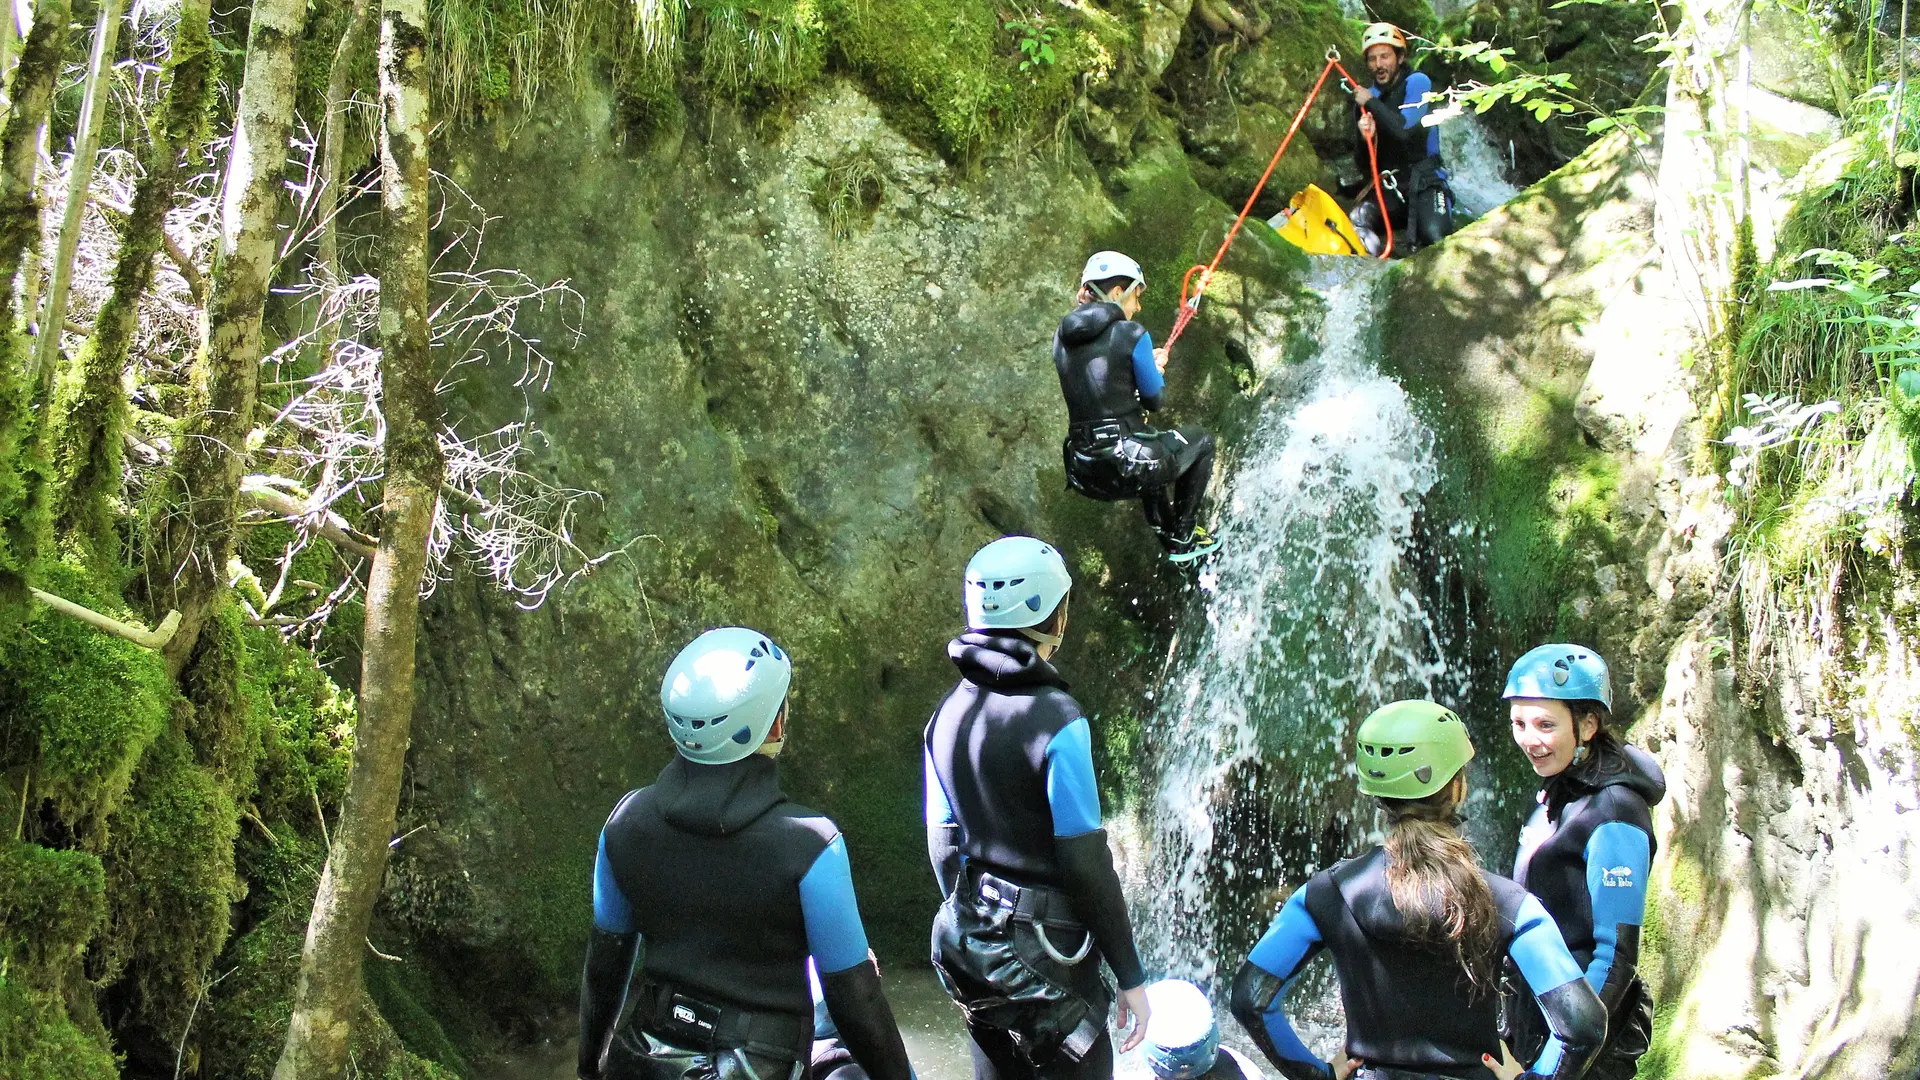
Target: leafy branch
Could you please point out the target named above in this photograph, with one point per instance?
(1036, 43)
(1544, 94)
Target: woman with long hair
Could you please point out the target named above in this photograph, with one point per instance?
(1418, 933)
(1586, 849)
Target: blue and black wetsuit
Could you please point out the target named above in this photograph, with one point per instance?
(731, 887)
(1413, 178)
(1109, 378)
(1014, 833)
(1410, 1011)
(1585, 853)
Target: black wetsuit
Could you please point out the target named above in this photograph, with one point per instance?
(1410, 1011)
(1586, 852)
(1412, 177)
(1014, 835)
(1106, 369)
(731, 887)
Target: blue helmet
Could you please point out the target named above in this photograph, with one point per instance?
(1182, 1038)
(723, 693)
(1014, 582)
(1562, 673)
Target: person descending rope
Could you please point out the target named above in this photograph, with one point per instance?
(1183, 1039)
(1417, 931)
(1110, 373)
(1588, 845)
(1033, 904)
(1419, 204)
(732, 888)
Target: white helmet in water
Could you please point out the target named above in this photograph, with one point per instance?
(1106, 265)
(1015, 582)
(723, 693)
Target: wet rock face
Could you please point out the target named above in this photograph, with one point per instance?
(815, 378)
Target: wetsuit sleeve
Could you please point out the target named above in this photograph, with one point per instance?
(611, 910)
(1572, 1009)
(1072, 794)
(858, 1006)
(1146, 373)
(1260, 990)
(1080, 850)
(1401, 127)
(611, 950)
(835, 936)
(1618, 855)
(943, 832)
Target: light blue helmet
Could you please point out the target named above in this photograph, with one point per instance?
(723, 692)
(1563, 673)
(1182, 1038)
(1014, 582)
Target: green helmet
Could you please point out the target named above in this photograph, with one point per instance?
(1411, 749)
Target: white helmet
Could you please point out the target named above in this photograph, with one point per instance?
(722, 693)
(1111, 264)
(1014, 582)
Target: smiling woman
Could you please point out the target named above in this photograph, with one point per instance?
(1587, 848)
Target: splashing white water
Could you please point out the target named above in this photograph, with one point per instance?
(1475, 166)
(1314, 618)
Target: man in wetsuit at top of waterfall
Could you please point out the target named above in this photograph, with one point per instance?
(1111, 374)
(732, 887)
(1033, 904)
(1412, 178)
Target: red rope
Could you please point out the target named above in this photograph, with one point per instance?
(1190, 304)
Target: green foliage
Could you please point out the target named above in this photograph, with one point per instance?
(1036, 43)
(1542, 94)
(849, 191)
(77, 705)
(759, 51)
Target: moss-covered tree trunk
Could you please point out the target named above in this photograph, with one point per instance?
(32, 96)
(334, 136)
(93, 405)
(324, 1002)
(191, 535)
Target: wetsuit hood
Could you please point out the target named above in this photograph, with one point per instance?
(1630, 767)
(1001, 661)
(1089, 321)
(718, 800)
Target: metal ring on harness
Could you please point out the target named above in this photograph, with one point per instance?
(1391, 181)
(1333, 53)
(1086, 946)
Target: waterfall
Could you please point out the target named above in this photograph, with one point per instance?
(1311, 616)
(1475, 166)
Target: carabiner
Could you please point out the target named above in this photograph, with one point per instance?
(1333, 54)
(1086, 946)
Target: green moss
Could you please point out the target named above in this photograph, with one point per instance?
(400, 990)
(50, 903)
(949, 70)
(79, 706)
(39, 1042)
(171, 879)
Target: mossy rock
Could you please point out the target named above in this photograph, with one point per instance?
(171, 880)
(39, 1042)
(79, 706)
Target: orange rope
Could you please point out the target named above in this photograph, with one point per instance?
(1190, 303)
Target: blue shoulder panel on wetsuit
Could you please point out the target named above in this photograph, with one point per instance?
(1072, 794)
(1146, 373)
(939, 810)
(1618, 855)
(1283, 952)
(1414, 107)
(834, 934)
(611, 910)
(1541, 954)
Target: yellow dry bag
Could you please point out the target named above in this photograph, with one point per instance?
(1316, 225)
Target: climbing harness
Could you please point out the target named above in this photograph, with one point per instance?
(1190, 301)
